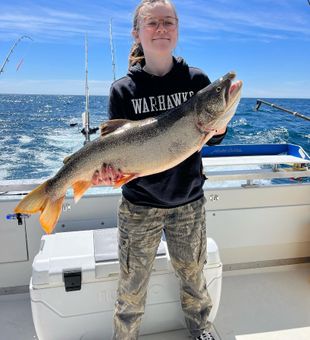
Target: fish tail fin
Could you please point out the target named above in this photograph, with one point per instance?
(39, 200)
(50, 214)
(35, 201)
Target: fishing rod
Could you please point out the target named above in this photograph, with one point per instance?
(112, 50)
(294, 113)
(86, 113)
(87, 130)
(6, 60)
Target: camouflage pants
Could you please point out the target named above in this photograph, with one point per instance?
(140, 231)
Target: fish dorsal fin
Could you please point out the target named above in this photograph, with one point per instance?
(112, 125)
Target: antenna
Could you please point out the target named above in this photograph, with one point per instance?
(6, 60)
(112, 50)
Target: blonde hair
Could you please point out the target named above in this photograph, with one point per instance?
(136, 55)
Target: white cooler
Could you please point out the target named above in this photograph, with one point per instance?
(74, 282)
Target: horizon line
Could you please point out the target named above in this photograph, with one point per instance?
(106, 95)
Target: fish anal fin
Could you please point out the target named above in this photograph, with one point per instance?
(112, 125)
(79, 189)
(50, 214)
(125, 179)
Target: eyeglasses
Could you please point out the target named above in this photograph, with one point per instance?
(169, 23)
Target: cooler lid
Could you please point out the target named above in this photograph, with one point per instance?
(79, 253)
(64, 252)
(106, 248)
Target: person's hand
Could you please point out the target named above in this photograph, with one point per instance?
(107, 175)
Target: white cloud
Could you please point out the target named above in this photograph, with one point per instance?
(64, 87)
(76, 87)
(256, 19)
(49, 23)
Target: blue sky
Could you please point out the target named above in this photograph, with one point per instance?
(267, 42)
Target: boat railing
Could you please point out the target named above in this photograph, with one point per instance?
(226, 163)
(255, 162)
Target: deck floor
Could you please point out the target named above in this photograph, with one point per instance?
(260, 304)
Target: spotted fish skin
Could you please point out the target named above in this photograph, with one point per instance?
(138, 148)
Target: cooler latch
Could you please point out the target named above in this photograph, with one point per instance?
(72, 280)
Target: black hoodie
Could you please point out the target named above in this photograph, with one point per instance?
(140, 95)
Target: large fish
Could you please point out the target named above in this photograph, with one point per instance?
(138, 148)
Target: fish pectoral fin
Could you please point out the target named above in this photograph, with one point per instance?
(112, 125)
(125, 179)
(79, 189)
(50, 214)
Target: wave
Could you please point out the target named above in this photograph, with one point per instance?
(25, 139)
(36, 135)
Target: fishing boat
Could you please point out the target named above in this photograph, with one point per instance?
(258, 226)
(258, 213)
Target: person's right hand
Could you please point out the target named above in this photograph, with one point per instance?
(107, 175)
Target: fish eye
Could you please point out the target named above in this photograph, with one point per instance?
(218, 89)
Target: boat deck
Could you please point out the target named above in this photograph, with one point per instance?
(257, 304)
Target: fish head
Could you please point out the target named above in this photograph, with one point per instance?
(217, 103)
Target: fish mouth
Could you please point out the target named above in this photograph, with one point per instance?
(219, 102)
(233, 89)
(234, 93)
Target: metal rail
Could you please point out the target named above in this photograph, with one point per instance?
(18, 187)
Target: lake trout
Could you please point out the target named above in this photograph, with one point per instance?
(138, 148)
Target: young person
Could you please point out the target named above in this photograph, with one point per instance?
(173, 200)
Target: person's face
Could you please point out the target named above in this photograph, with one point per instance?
(157, 29)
